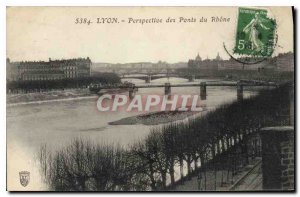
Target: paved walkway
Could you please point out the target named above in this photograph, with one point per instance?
(248, 178)
(252, 181)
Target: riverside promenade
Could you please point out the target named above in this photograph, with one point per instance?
(247, 178)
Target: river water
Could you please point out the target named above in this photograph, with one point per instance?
(58, 123)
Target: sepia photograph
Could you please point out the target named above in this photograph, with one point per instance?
(152, 99)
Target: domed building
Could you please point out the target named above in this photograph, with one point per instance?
(198, 58)
(207, 64)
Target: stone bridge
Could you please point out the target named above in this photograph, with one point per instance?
(148, 77)
(132, 88)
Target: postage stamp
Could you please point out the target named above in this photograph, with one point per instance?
(255, 34)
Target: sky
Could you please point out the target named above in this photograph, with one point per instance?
(40, 33)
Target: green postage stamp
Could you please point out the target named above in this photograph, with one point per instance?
(255, 34)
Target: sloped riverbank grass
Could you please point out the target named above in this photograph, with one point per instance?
(154, 118)
(150, 164)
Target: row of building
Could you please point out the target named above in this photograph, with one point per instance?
(138, 67)
(48, 70)
(282, 62)
(81, 67)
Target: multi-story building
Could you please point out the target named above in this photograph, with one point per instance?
(11, 70)
(282, 62)
(51, 70)
(285, 62)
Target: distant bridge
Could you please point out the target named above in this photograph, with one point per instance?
(132, 88)
(153, 76)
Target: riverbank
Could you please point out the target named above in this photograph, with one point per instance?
(49, 95)
(52, 96)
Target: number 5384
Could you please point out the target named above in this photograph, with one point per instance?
(83, 21)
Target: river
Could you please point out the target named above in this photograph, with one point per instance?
(58, 123)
